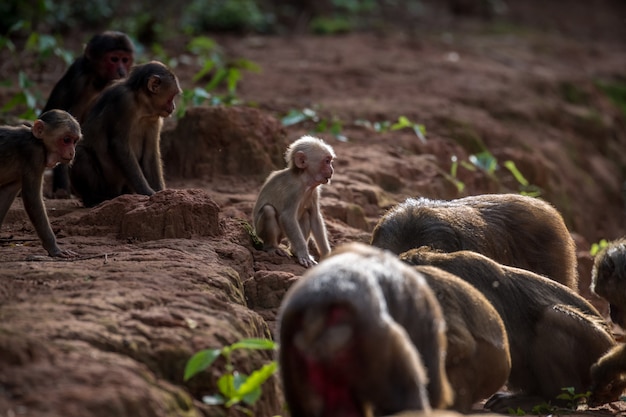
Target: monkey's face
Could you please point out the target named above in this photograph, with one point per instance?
(64, 148)
(324, 170)
(115, 64)
(609, 281)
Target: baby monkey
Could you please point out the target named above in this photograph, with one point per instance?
(25, 152)
(288, 203)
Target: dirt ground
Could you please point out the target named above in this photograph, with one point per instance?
(160, 278)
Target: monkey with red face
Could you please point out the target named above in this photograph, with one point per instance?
(288, 203)
(107, 57)
(25, 152)
(121, 150)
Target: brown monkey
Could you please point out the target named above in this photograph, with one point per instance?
(288, 203)
(608, 280)
(555, 335)
(608, 376)
(511, 229)
(121, 150)
(478, 361)
(25, 152)
(356, 332)
(107, 57)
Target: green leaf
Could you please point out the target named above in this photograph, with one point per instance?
(254, 343)
(297, 116)
(257, 378)
(206, 68)
(200, 361)
(485, 161)
(510, 165)
(232, 78)
(226, 385)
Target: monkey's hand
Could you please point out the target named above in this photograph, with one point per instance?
(306, 261)
(62, 253)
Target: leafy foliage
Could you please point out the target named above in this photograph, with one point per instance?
(234, 387)
(219, 71)
(598, 246)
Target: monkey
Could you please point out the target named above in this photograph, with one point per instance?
(288, 202)
(361, 333)
(608, 376)
(108, 56)
(555, 335)
(608, 280)
(511, 229)
(478, 361)
(120, 152)
(25, 152)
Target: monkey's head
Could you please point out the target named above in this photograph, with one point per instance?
(59, 132)
(110, 55)
(157, 87)
(311, 156)
(608, 279)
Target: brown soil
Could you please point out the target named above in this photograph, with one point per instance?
(160, 278)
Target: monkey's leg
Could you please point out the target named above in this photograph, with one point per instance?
(269, 231)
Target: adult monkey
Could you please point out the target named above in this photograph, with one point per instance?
(608, 280)
(288, 203)
(121, 150)
(108, 56)
(511, 229)
(362, 334)
(555, 335)
(25, 152)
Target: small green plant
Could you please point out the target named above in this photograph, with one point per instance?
(525, 187)
(387, 126)
(333, 126)
(235, 388)
(219, 71)
(569, 395)
(572, 397)
(25, 98)
(598, 246)
(488, 163)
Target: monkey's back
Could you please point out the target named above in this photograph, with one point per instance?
(512, 229)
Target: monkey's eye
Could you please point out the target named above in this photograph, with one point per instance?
(114, 59)
(67, 140)
(125, 60)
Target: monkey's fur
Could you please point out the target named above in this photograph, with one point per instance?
(608, 280)
(555, 335)
(478, 361)
(511, 229)
(356, 332)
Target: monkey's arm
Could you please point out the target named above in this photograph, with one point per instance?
(318, 228)
(33, 203)
(152, 166)
(288, 220)
(129, 165)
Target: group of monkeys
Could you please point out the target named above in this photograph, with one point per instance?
(451, 301)
(105, 115)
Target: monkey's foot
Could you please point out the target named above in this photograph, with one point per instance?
(306, 261)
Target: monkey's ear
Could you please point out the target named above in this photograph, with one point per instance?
(38, 128)
(300, 160)
(154, 82)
